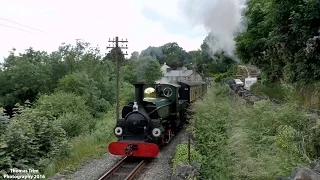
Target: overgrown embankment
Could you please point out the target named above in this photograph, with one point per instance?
(304, 95)
(240, 141)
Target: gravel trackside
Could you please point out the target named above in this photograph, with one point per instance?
(159, 168)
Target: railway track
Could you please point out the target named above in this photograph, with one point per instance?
(126, 169)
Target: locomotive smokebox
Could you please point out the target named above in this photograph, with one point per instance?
(139, 93)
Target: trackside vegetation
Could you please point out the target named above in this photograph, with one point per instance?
(181, 156)
(60, 105)
(241, 141)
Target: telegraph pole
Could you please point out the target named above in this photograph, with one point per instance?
(116, 58)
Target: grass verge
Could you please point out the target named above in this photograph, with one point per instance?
(181, 156)
(304, 95)
(264, 141)
(86, 146)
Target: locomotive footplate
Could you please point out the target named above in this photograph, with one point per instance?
(137, 149)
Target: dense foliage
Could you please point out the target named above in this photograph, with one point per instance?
(32, 140)
(202, 60)
(64, 96)
(263, 141)
(282, 39)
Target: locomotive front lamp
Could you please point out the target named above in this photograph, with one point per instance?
(135, 106)
(156, 132)
(118, 131)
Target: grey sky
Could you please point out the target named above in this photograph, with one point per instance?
(144, 22)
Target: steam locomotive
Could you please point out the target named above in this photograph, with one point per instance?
(158, 112)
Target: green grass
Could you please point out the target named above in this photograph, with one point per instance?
(181, 156)
(273, 91)
(86, 146)
(240, 141)
(304, 95)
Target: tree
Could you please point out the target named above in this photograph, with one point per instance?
(80, 84)
(154, 52)
(115, 54)
(143, 70)
(175, 56)
(134, 55)
(278, 37)
(211, 63)
(169, 53)
(23, 77)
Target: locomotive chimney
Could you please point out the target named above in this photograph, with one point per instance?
(139, 93)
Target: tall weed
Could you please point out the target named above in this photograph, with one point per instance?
(240, 141)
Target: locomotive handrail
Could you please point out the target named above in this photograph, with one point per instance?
(157, 109)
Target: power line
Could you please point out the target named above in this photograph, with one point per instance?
(24, 25)
(15, 28)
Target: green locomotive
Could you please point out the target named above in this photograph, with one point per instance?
(157, 113)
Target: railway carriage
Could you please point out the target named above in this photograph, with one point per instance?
(191, 91)
(158, 112)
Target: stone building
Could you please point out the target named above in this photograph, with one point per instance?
(179, 75)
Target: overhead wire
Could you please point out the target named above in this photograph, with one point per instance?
(15, 28)
(24, 26)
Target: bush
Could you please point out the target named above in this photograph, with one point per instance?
(31, 140)
(220, 77)
(80, 84)
(210, 121)
(69, 109)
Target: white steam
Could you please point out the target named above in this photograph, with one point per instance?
(221, 18)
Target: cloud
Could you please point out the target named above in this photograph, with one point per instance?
(172, 25)
(94, 21)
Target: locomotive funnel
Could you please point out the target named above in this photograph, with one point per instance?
(138, 93)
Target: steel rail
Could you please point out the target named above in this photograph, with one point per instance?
(135, 170)
(124, 163)
(112, 170)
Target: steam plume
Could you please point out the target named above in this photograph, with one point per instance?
(221, 18)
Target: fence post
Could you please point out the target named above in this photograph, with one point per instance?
(189, 149)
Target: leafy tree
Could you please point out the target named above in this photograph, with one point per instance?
(209, 63)
(155, 52)
(69, 109)
(80, 84)
(170, 53)
(278, 37)
(145, 69)
(115, 54)
(134, 55)
(194, 57)
(23, 77)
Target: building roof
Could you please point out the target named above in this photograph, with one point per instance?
(177, 73)
(192, 83)
(164, 66)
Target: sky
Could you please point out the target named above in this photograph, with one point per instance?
(143, 22)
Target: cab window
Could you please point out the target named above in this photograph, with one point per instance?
(150, 93)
